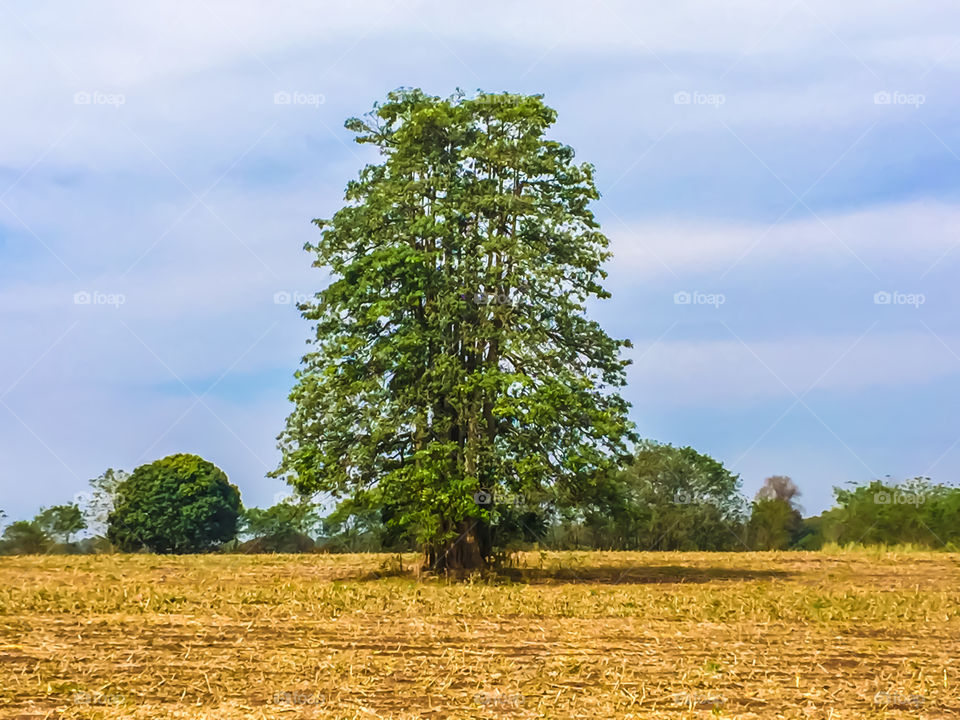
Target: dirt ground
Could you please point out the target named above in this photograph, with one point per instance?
(562, 635)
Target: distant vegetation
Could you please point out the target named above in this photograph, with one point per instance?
(665, 498)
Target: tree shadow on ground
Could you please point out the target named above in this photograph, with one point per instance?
(605, 575)
(636, 575)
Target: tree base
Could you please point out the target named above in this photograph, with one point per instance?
(460, 556)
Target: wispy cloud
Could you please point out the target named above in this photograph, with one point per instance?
(794, 159)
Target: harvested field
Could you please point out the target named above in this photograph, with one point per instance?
(564, 635)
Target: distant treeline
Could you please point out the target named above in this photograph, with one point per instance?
(665, 498)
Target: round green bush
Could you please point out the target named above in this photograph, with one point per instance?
(180, 504)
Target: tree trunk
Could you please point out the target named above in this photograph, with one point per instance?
(463, 553)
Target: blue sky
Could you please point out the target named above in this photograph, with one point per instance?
(790, 169)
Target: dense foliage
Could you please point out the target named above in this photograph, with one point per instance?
(666, 498)
(452, 351)
(24, 537)
(917, 511)
(179, 504)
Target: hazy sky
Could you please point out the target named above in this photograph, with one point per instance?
(779, 181)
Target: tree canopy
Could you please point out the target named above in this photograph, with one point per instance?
(775, 519)
(666, 498)
(179, 504)
(452, 350)
(61, 521)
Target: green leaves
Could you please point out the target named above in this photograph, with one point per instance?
(179, 504)
(451, 348)
(916, 511)
(24, 537)
(61, 521)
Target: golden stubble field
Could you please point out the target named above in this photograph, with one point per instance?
(564, 635)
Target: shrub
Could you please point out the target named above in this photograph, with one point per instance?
(179, 504)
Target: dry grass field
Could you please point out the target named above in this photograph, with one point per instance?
(564, 635)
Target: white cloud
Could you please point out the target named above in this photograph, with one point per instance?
(739, 374)
(208, 71)
(877, 235)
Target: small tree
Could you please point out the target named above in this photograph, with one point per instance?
(285, 527)
(673, 498)
(179, 504)
(775, 519)
(779, 487)
(99, 503)
(282, 518)
(61, 521)
(24, 537)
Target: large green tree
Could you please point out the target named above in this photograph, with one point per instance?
(453, 352)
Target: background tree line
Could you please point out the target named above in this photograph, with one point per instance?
(664, 498)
